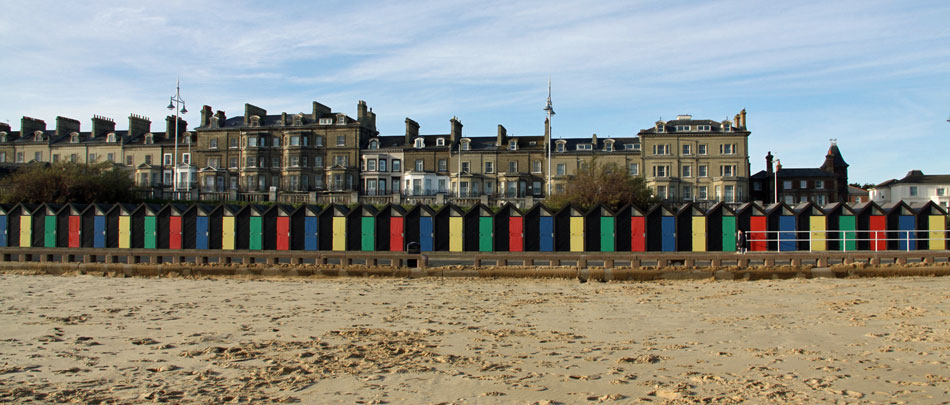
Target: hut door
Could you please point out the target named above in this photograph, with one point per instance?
(546, 237)
(516, 234)
(699, 234)
(174, 232)
(49, 234)
(125, 231)
(786, 236)
(425, 234)
(368, 234)
(3, 231)
(455, 234)
(607, 234)
(907, 238)
(99, 231)
(816, 227)
(668, 231)
(339, 234)
(396, 234)
(227, 233)
(149, 226)
(638, 240)
(846, 224)
(283, 233)
(728, 234)
(201, 233)
(255, 233)
(935, 223)
(577, 234)
(310, 230)
(74, 232)
(484, 234)
(878, 227)
(757, 235)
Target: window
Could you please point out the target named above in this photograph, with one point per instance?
(420, 165)
(687, 150)
(38, 156)
(513, 167)
(92, 157)
(757, 186)
(701, 149)
(374, 144)
(213, 143)
(489, 167)
(701, 192)
(687, 192)
(821, 200)
(803, 184)
(382, 166)
(585, 146)
(19, 157)
(148, 159)
(703, 171)
(295, 161)
(687, 171)
(443, 165)
(252, 141)
(941, 192)
(419, 143)
(561, 169)
(819, 184)
(371, 165)
(72, 157)
(234, 143)
(213, 162)
(341, 140)
(167, 159)
(661, 149)
(727, 170)
(128, 159)
(536, 166)
(661, 191)
(251, 161)
(395, 186)
(318, 141)
(789, 199)
(681, 128)
(442, 186)
(608, 146)
(634, 169)
(913, 191)
(661, 171)
(466, 144)
(233, 163)
(512, 144)
(787, 185)
(318, 161)
(559, 189)
(274, 161)
(341, 160)
(465, 166)
(3, 157)
(727, 149)
(110, 157)
(186, 158)
(325, 121)
(536, 188)
(560, 147)
(397, 165)
(440, 142)
(730, 194)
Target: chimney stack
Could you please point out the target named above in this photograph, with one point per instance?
(139, 125)
(319, 110)
(170, 127)
(205, 116)
(66, 125)
(502, 136)
(768, 163)
(102, 126)
(593, 141)
(29, 125)
(218, 120)
(456, 134)
(412, 131)
(742, 115)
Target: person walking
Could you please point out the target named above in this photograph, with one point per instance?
(740, 242)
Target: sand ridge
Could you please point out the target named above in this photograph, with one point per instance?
(352, 340)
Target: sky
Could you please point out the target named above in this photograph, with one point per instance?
(874, 75)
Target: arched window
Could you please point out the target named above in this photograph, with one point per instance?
(374, 144)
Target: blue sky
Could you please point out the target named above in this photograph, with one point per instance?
(874, 75)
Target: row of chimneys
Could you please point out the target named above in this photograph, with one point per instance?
(364, 115)
(101, 126)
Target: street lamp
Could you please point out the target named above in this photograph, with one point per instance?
(549, 109)
(174, 102)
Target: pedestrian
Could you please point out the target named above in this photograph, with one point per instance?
(740, 242)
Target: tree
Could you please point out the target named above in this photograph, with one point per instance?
(67, 182)
(608, 185)
(865, 186)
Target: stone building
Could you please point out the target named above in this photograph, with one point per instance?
(914, 188)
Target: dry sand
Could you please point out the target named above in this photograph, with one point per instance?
(93, 339)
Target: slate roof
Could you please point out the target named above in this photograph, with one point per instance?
(794, 173)
(918, 177)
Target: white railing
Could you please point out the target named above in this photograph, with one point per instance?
(822, 236)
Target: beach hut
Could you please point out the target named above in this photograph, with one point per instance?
(600, 230)
(661, 229)
(157, 219)
(361, 228)
(207, 226)
(283, 234)
(509, 228)
(45, 225)
(691, 223)
(448, 229)
(391, 228)
(809, 217)
(478, 227)
(539, 229)
(932, 226)
(95, 225)
(630, 226)
(131, 226)
(752, 220)
(569, 229)
(720, 228)
(62, 228)
(4, 225)
(902, 223)
(872, 226)
(255, 226)
(420, 227)
(15, 222)
(72, 216)
(841, 223)
(782, 229)
(333, 225)
(304, 228)
(176, 226)
(231, 217)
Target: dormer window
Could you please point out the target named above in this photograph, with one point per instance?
(298, 120)
(660, 127)
(726, 127)
(374, 144)
(341, 119)
(512, 144)
(325, 121)
(38, 136)
(466, 144)
(559, 147)
(585, 146)
(419, 143)
(608, 146)
(706, 128)
(73, 137)
(3, 136)
(440, 142)
(149, 138)
(255, 121)
(111, 137)
(682, 128)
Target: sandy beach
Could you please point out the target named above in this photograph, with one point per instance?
(361, 340)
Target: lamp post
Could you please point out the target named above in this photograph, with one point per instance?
(176, 103)
(549, 109)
